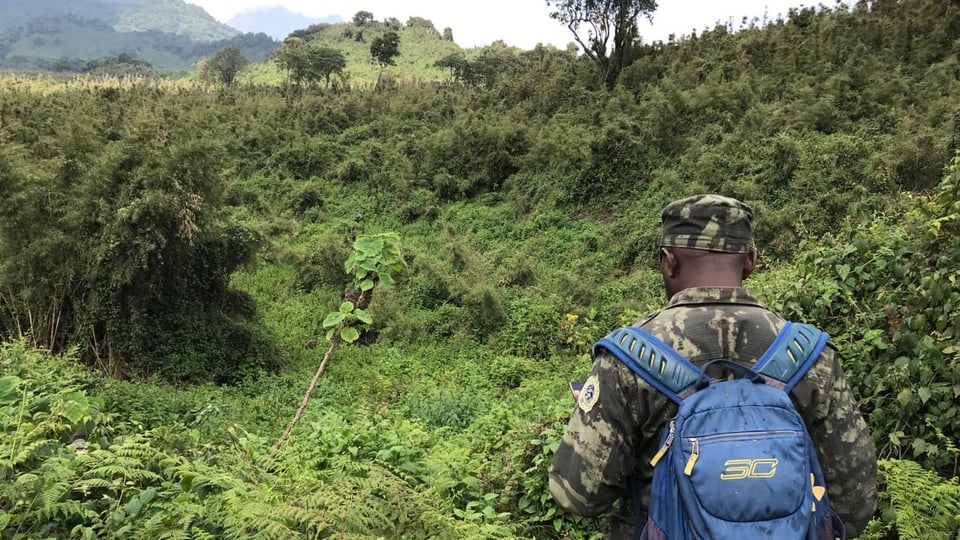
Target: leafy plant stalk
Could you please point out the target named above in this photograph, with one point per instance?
(374, 259)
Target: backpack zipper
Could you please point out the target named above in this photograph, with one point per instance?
(666, 445)
(694, 454)
(695, 442)
(746, 435)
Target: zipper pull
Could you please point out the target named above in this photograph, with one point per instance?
(694, 454)
(666, 445)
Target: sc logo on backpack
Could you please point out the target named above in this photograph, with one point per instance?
(738, 469)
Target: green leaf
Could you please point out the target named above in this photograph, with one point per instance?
(8, 387)
(333, 319)
(924, 393)
(917, 322)
(366, 285)
(330, 333)
(895, 437)
(74, 411)
(921, 447)
(349, 334)
(370, 246)
(843, 270)
(348, 265)
(136, 504)
(905, 396)
(186, 481)
(386, 280)
(363, 316)
(346, 307)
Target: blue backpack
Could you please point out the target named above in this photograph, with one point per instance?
(737, 461)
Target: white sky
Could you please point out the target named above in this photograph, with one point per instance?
(521, 23)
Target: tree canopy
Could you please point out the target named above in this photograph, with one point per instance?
(309, 62)
(612, 31)
(363, 18)
(385, 48)
(226, 65)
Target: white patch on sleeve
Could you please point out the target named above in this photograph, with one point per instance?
(590, 394)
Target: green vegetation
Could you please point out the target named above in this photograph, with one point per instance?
(173, 258)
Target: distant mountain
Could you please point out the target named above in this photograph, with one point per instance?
(276, 21)
(171, 16)
(44, 35)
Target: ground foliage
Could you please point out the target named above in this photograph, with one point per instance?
(171, 234)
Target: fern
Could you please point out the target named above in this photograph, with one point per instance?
(924, 505)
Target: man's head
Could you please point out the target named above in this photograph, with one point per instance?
(706, 241)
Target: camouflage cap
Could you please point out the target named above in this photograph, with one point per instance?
(707, 222)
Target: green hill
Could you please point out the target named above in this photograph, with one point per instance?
(171, 16)
(62, 34)
(421, 47)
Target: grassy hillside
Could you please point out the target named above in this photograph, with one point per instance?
(421, 46)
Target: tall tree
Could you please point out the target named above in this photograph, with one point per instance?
(383, 50)
(308, 61)
(291, 58)
(612, 34)
(225, 66)
(327, 62)
(362, 18)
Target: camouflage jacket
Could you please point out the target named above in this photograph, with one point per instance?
(611, 437)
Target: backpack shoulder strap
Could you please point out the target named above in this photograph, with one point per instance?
(792, 353)
(656, 362)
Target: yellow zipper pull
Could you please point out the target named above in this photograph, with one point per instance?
(694, 454)
(666, 445)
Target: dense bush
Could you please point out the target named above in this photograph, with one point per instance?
(887, 294)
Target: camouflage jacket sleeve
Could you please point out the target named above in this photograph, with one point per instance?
(844, 444)
(598, 451)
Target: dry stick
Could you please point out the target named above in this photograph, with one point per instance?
(362, 300)
(306, 398)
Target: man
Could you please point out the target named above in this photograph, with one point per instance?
(706, 251)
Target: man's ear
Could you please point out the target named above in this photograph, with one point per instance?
(669, 264)
(749, 263)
